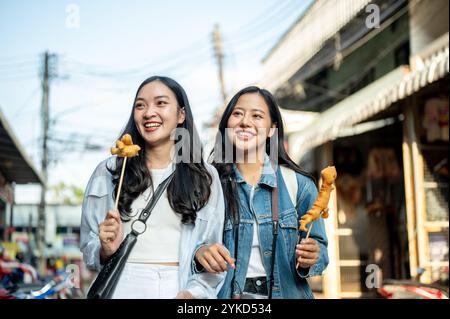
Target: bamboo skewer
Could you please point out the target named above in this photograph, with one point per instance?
(116, 205)
(309, 230)
(124, 148)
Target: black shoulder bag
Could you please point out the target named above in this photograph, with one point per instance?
(106, 281)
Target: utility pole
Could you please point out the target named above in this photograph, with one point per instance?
(218, 51)
(47, 75)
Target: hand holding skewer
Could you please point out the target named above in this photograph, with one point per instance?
(111, 229)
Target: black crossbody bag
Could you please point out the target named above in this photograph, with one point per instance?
(108, 277)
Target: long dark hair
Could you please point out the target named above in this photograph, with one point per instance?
(189, 189)
(225, 168)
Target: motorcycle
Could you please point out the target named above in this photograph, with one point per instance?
(20, 281)
(60, 287)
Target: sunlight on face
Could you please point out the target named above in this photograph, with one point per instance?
(157, 113)
(249, 124)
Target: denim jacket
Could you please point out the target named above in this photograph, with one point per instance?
(289, 282)
(98, 199)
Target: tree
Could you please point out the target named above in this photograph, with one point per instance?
(67, 194)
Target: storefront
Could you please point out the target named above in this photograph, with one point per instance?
(371, 211)
(426, 126)
(6, 199)
(15, 168)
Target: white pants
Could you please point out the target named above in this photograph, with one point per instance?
(147, 281)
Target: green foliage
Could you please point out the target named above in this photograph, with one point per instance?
(67, 194)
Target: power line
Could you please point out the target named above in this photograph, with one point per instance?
(19, 74)
(189, 55)
(26, 103)
(255, 26)
(94, 132)
(261, 23)
(12, 61)
(80, 106)
(193, 47)
(265, 38)
(144, 70)
(22, 64)
(18, 78)
(170, 62)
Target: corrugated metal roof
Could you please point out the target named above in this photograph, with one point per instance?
(14, 162)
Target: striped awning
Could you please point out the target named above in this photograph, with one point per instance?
(291, 119)
(369, 101)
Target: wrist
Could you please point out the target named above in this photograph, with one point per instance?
(198, 267)
(104, 255)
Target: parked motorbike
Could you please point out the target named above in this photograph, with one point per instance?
(20, 281)
(57, 288)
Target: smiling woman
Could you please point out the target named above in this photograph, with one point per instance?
(248, 128)
(157, 114)
(188, 215)
(262, 216)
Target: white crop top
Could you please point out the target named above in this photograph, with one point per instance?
(160, 241)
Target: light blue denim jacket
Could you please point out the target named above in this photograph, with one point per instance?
(289, 282)
(98, 199)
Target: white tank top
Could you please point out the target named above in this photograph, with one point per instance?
(160, 241)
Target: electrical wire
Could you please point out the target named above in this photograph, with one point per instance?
(252, 29)
(25, 105)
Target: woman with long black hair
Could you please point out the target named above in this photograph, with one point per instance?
(266, 194)
(188, 214)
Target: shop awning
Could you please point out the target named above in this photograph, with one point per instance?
(293, 120)
(14, 163)
(369, 101)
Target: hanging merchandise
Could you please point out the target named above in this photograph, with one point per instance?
(382, 162)
(435, 120)
(349, 189)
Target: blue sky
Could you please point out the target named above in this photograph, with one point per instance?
(115, 46)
